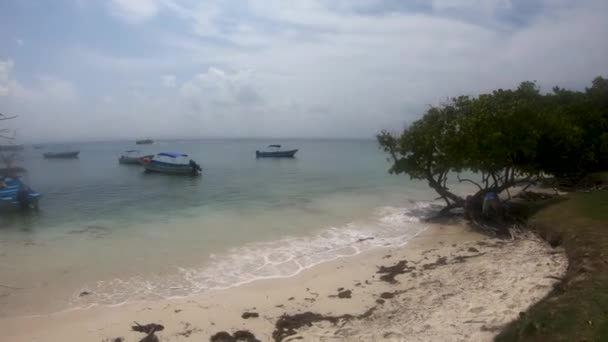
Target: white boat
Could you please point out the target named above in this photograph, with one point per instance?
(172, 163)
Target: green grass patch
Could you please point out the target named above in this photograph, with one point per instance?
(577, 309)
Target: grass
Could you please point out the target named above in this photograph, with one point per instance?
(577, 309)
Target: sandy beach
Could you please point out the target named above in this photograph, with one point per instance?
(447, 284)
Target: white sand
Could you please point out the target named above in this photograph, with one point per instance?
(466, 299)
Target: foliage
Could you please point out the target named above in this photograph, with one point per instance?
(507, 137)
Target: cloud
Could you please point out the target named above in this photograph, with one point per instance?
(169, 81)
(19, 42)
(134, 11)
(344, 68)
(47, 89)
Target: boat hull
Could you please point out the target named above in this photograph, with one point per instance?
(171, 169)
(144, 142)
(61, 155)
(132, 160)
(276, 154)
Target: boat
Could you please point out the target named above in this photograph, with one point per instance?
(11, 148)
(38, 147)
(61, 155)
(133, 157)
(172, 163)
(14, 192)
(275, 152)
(144, 141)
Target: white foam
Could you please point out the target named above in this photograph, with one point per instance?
(281, 258)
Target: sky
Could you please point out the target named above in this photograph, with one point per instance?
(124, 69)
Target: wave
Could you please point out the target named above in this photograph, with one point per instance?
(286, 257)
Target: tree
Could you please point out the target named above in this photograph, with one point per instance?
(506, 137)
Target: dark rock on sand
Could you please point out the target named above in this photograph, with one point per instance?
(238, 336)
(247, 315)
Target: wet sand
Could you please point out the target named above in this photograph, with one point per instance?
(447, 284)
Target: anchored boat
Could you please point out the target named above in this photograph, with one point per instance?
(172, 163)
(133, 157)
(61, 155)
(14, 192)
(275, 152)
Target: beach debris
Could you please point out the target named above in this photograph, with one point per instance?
(463, 258)
(387, 295)
(247, 315)
(344, 294)
(439, 262)
(287, 325)
(85, 293)
(390, 272)
(148, 328)
(238, 336)
(115, 339)
(291, 298)
(380, 301)
(473, 250)
(365, 239)
(188, 330)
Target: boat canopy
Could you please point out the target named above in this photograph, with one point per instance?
(172, 154)
(277, 146)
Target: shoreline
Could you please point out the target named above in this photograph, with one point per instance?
(422, 290)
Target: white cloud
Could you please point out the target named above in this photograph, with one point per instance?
(169, 81)
(19, 42)
(134, 10)
(318, 67)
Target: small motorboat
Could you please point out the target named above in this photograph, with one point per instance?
(10, 148)
(172, 163)
(275, 152)
(61, 155)
(144, 141)
(133, 157)
(14, 193)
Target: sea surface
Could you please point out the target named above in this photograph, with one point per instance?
(107, 234)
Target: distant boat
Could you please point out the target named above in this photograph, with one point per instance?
(7, 148)
(144, 141)
(14, 193)
(172, 163)
(275, 152)
(133, 157)
(38, 147)
(61, 155)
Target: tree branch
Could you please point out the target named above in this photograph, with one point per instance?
(468, 180)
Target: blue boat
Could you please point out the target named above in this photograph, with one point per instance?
(172, 163)
(275, 152)
(14, 193)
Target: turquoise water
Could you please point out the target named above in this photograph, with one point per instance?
(125, 235)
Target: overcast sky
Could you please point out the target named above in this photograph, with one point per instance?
(80, 69)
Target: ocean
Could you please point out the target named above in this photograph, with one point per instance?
(108, 234)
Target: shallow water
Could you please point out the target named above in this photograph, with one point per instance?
(123, 235)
